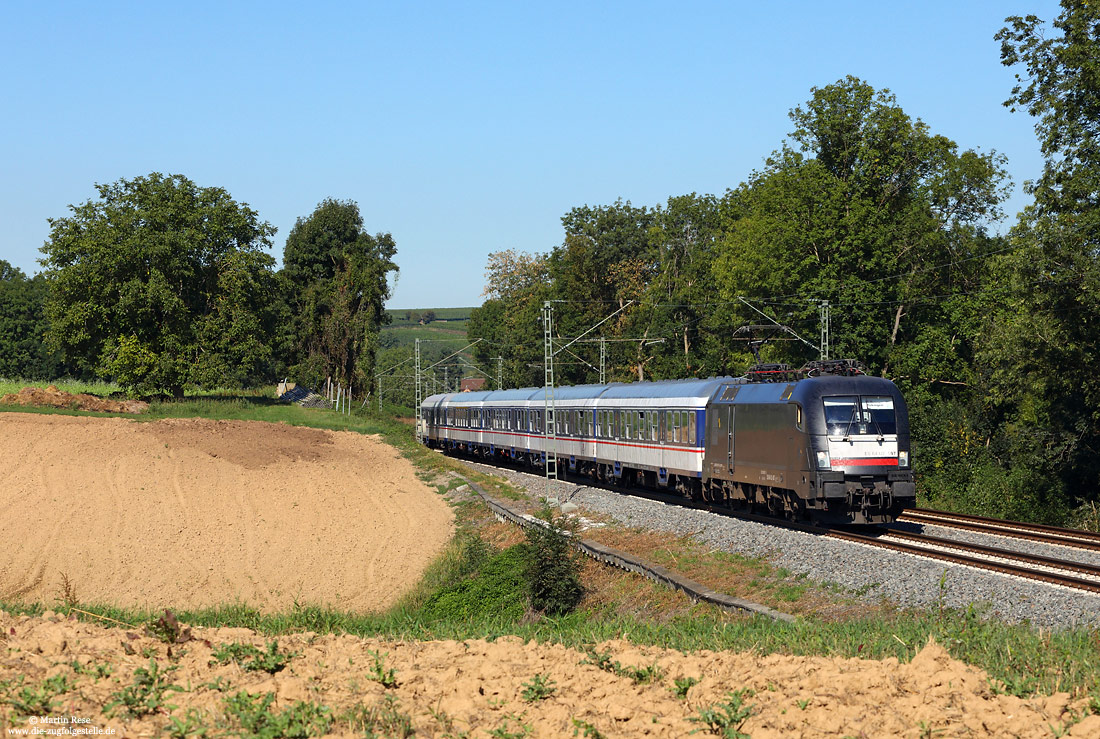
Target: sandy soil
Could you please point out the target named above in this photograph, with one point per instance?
(51, 397)
(193, 512)
(446, 688)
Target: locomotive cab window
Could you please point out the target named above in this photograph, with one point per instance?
(841, 417)
(847, 415)
(880, 411)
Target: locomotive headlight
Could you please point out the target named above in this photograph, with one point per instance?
(903, 459)
(823, 462)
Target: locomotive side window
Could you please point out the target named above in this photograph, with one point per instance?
(880, 409)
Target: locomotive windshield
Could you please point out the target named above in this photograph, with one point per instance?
(880, 408)
(870, 414)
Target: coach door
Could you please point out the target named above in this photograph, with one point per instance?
(731, 411)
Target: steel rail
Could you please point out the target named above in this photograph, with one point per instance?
(988, 551)
(1014, 529)
(977, 562)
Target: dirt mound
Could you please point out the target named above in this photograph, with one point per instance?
(479, 688)
(51, 397)
(187, 513)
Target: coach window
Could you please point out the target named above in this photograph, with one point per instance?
(639, 427)
(691, 427)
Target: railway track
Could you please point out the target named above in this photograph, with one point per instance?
(1056, 571)
(1010, 529)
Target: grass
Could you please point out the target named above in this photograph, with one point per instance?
(481, 562)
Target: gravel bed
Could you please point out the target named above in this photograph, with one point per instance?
(911, 581)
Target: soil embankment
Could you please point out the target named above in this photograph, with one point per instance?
(186, 513)
(479, 689)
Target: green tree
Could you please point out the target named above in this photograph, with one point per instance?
(23, 352)
(1042, 346)
(337, 276)
(683, 333)
(865, 208)
(160, 284)
(516, 284)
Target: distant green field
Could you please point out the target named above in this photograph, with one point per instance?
(403, 317)
(407, 334)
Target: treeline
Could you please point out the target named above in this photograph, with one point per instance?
(162, 285)
(993, 339)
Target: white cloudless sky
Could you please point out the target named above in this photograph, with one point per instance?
(463, 128)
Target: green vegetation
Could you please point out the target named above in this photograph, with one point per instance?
(552, 568)
(255, 717)
(93, 387)
(145, 695)
(399, 317)
(161, 284)
(385, 719)
(34, 701)
(640, 675)
(249, 657)
(540, 687)
(386, 678)
(336, 279)
(683, 685)
(726, 719)
(23, 326)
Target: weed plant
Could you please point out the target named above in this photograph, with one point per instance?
(145, 695)
(256, 718)
(726, 719)
(385, 719)
(36, 701)
(386, 678)
(540, 687)
(251, 658)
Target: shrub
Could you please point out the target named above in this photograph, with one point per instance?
(552, 569)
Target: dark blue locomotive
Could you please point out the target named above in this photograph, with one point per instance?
(827, 443)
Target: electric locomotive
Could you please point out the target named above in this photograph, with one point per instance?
(826, 443)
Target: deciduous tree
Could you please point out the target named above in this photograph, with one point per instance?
(160, 283)
(337, 276)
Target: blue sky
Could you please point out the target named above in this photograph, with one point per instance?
(463, 128)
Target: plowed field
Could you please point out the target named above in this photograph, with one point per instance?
(193, 512)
